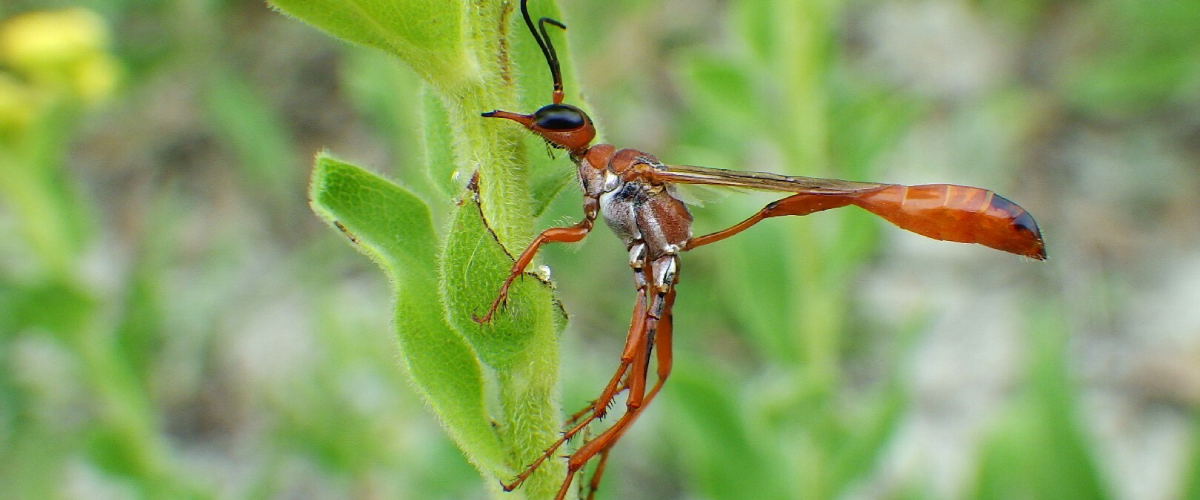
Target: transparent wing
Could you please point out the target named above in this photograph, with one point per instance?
(940, 211)
(690, 174)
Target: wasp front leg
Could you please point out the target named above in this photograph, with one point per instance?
(569, 234)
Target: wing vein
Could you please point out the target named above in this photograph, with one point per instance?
(690, 174)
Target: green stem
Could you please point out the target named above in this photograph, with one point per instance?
(530, 415)
(475, 57)
(802, 59)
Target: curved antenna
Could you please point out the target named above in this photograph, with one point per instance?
(543, 41)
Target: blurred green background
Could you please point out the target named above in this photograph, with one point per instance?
(175, 323)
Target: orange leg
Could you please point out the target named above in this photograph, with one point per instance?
(646, 332)
(799, 204)
(662, 342)
(570, 234)
(591, 406)
(637, 342)
(602, 444)
(594, 484)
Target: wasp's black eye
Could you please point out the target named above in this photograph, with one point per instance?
(559, 117)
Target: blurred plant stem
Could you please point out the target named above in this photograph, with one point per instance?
(59, 67)
(803, 136)
(795, 309)
(32, 185)
(802, 61)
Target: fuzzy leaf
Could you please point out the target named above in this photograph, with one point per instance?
(474, 266)
(520, 342)
(439, 150)
(427, 34)
(520, 345)
(393, 228)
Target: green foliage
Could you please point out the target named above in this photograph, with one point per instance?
(1039, 450)
(258, 138)
(1191, 483)
(1147, 58)
(787, 286)
(393, 228)
(441, 287)
(170, 310)
(432, 36)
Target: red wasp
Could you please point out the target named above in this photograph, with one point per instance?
(634, 193)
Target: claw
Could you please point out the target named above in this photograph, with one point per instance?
(501, 300)
(508, 487)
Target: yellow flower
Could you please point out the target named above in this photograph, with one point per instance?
(96, 77)
(64, 50)
(52, 38)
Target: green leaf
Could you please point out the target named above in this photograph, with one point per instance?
(477, 66)
(474, 266)
(753, 20)
(429, 35)
(54, 224)
(520, 342)
(866, 436)
(439, 152)
(50, 305)
(393, 228)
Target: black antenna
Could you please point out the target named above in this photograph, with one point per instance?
(543, 41)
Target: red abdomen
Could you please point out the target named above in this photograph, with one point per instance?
(957, 213)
